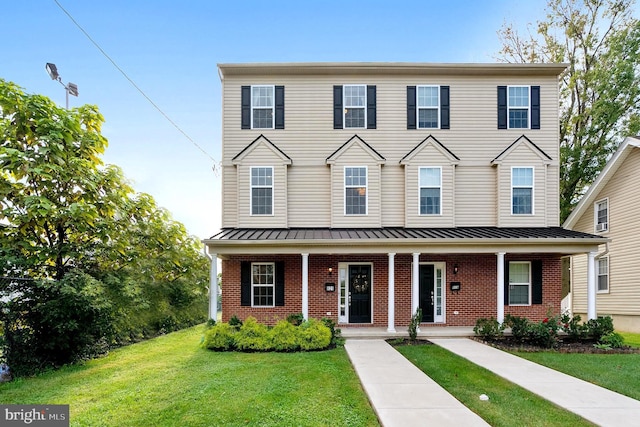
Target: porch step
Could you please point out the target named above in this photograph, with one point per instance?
(402, 332)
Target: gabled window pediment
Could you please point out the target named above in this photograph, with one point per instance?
(262, 143)
(356, 141)
(518, 144)
(430, 142)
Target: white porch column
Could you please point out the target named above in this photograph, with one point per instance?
(591, 286)
(415, 283)
(500, 301)
(305, 286)
(391, 303)
(213, 287)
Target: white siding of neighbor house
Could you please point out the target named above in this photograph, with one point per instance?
(623, 297)
(309, 138)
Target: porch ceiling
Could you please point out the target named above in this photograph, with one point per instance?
(402, 240)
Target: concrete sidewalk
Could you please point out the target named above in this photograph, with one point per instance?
(401, 394)
(596, 404)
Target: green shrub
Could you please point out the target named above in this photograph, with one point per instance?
(414, 323)
(544, 333)
(597, 328)
(613, 340)
(573, 327)
(295, 319)
(336, 333)
(314, 335)
(252, 336)
(489, 328)
(235, 322)
(284, 336)
(519, 327)
(220, 337)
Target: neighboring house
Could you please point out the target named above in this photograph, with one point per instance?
(362, 191)
(611, 208)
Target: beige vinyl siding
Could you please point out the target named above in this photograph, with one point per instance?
(309, 137)
(309, 196)
(624, 225)
(475, 196)
(279, 217)
(229, 196)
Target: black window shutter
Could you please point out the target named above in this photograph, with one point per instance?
(245, 283)
(535, 107)
(444, 107)
(506, 283)
(246, 107)
(337, 107)
(279, 107)
(502, 107)
(280, 283)
(371, 107)
(411, 107)
(536, 282)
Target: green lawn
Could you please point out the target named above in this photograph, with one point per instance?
(508, 404)
(170, 381)
(631, 339)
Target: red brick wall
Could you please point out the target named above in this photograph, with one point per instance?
(476, 272)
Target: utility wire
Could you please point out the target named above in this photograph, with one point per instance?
(214, 167)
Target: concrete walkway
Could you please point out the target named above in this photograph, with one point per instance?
(401, 394)
(596, 404)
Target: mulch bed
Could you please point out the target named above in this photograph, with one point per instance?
(563, 346)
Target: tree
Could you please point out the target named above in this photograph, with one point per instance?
(599, 91)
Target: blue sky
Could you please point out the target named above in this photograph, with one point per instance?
(171, 48)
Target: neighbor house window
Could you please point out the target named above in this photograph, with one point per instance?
(518, 107)
(519, 283)
(355, 190)
(262, 107)
(262, 191)
(522, 191)
(262, 284)
(603, 274)
(430, 190)
(428, 107)
(602, 215)
(355, 105)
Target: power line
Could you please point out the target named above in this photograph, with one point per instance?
(137, 87)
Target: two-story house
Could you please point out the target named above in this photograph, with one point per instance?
(362, 191)
(610, 209)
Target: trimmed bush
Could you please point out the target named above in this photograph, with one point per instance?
(519, 327)
(488, 328)
(336, 333)
(545, 333)
(284, 336)
(295, 319)
(220, 337)
(314, 335)
(252, 336)
(597, 328)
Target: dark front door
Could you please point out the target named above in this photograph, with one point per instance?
(359, 294)
(427, 279)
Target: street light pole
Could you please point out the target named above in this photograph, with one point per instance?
(70, 88)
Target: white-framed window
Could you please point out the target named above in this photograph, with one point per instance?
(355, 106)
(428, 107)
(601, 209)
(262, 106)
(519, 283)
(518, 107)
(355, 190)
(603, 274)
(262, 284)
(262, 190)
(522, 191)
(430, 183)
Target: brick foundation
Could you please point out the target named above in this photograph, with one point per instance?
(477, 274)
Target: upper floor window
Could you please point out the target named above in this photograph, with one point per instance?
(354, 107)
(603, 274)
(519, 283)
(522, 191)
(430, 190)
(602, 215)
(428, 107)
(262, 107)
(261, 191)
(262, 284)
(518, 107)
(355, 190)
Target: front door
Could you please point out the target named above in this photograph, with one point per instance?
(426, 299)
(359, 293)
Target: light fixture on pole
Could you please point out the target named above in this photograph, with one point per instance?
(70, 88)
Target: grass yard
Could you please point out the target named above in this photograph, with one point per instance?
(171, 381)
(631, 339)
(508, 404)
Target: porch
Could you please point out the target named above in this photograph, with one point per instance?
(425, 332)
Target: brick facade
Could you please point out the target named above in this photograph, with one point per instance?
(477, 274)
